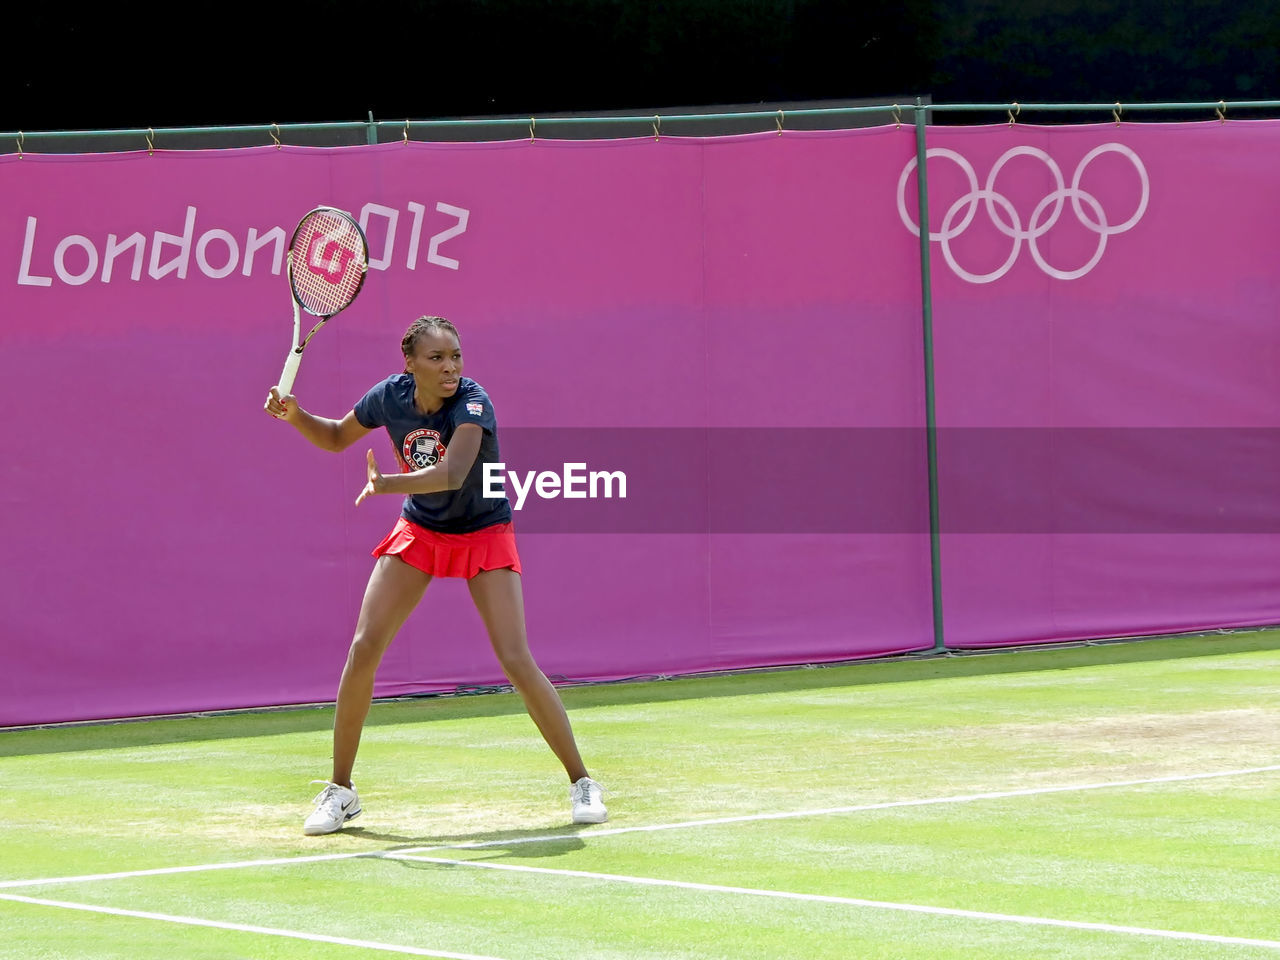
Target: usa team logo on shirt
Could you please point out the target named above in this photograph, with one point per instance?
(422, 448)
(475, 409)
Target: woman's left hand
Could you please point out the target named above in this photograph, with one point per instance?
(376, 482)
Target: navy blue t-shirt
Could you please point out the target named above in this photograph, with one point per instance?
(421, 441)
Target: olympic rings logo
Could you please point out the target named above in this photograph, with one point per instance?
(1005, 217)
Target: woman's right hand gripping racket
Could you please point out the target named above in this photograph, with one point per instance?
(328, 260)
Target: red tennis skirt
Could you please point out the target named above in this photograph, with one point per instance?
(452, 554)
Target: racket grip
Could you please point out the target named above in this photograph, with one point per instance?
(290, 372)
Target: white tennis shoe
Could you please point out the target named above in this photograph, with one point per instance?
(335, 805)
(587, 798)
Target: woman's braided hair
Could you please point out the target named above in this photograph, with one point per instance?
(420, 327)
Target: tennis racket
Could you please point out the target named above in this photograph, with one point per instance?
(328, 260)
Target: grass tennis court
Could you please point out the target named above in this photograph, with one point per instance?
(1108, 801)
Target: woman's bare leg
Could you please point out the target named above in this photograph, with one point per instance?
(499, 599)
(394, 590)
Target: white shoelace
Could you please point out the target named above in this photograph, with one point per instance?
(330, 792)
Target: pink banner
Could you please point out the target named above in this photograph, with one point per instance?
(1107, 380)
(733, 324)
(168, 547)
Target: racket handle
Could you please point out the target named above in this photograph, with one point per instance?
(285, 386)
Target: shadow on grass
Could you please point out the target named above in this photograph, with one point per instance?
(537, 842)
(904, 668)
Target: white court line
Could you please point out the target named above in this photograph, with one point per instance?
(616, 831)
(850, 901)
(861, 808)
(247, 928)
(197, 868)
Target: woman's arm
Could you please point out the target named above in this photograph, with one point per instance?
(448, 474)
(333, 435)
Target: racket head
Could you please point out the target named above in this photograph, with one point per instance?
(328, 261)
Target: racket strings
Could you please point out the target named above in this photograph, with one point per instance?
(328, 259)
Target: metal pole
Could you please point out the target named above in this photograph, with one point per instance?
(931, 426)
(372, 130)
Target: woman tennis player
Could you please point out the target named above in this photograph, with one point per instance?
(443, 428)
